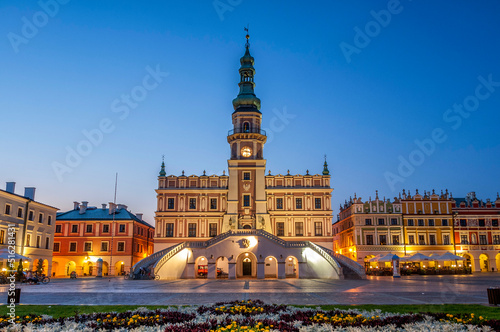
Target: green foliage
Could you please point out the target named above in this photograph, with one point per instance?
(39, 266)
(57, 311)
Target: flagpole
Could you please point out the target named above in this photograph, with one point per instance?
(113, 228)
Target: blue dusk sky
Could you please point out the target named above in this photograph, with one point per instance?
(396, 94)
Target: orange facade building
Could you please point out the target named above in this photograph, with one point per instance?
(85, 234)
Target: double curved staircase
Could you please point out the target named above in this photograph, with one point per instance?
(345, 267)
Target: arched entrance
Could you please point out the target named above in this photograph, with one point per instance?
(271, 267)
(222, 265)
(247, 227)
(291, 267)
(484, 262)
(105, 268)
(246, 265)
(201, 267)
(55, 268)
(70, 267)
(469, 262)
(88, 268)
(120, 268)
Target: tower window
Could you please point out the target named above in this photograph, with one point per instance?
(170, 204)
(213, 203)
(246, 200)
(246, 127)
(298, 203)
(192, 203)
(246, 175)
(317, 203)
(279, 203)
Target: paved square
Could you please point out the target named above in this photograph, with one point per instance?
(469, 289)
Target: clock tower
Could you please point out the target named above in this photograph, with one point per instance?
(246, 201)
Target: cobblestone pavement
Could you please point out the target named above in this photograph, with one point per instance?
(374, 290)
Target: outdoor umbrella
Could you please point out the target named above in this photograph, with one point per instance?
(375, 259)
(4, 254)
(448, 256)
(418, 257)
(387, 258)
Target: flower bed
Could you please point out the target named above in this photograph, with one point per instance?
(251, 316)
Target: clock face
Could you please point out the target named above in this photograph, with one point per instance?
(246, 151)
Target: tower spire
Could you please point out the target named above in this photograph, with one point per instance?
(246, 99)
(162, 171)
(325, 168)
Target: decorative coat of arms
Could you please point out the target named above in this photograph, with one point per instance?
(245, 243)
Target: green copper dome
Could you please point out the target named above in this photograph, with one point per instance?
(246, 99)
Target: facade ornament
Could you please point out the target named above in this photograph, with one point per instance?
(182, 172)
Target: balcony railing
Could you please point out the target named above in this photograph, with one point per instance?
(244, 131)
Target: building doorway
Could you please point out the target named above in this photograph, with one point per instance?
(247, 267)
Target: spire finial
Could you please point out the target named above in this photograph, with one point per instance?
(376, 194)
(247, 45)
(162, 171)
(325, 168)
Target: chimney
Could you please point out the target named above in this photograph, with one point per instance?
(122, 206)
(11, 186)
(29, 192)
(112, 207)
(139, 216)
(104, 206)
(83, 207)
(76, 205)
